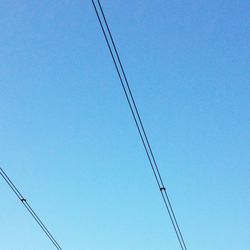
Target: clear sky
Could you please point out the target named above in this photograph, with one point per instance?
(68, 141)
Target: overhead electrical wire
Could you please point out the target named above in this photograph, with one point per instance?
(136, 116)
(29, 208)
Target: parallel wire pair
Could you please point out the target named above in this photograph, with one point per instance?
(136, 116)
(29, 208)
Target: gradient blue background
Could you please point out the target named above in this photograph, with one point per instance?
(68, 141)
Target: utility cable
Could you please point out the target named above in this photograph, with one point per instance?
(136, 116)
(29, 208)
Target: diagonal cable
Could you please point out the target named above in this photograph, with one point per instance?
(29, 208)
(133, 107)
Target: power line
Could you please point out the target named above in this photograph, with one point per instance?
(29, 208)
(136, 116)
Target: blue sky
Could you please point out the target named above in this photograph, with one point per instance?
(68, 141)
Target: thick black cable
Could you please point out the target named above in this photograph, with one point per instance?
(139, 125)
(29, 208)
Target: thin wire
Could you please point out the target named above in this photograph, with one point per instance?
(29, 208)
(139, 124)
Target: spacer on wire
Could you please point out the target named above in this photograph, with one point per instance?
(162, 189)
